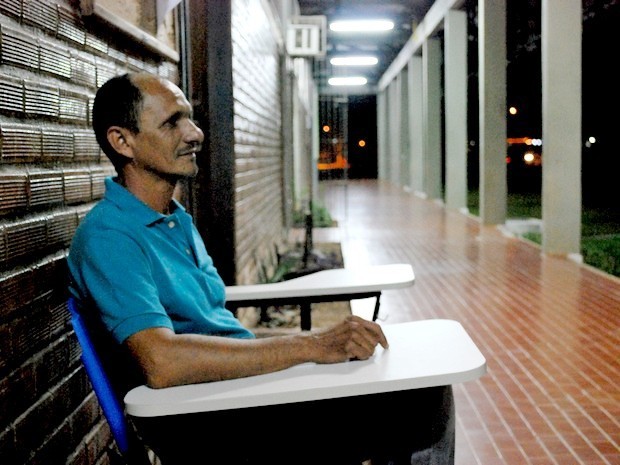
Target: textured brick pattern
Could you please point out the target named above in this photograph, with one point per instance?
(51, 173)
(258, 138)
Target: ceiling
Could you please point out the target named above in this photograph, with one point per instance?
(385, 45)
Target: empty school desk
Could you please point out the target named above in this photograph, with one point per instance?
(323, 286)
(422, 354)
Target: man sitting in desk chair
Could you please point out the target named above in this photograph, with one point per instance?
(139, 261)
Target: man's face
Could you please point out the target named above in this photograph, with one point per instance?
(168, 139)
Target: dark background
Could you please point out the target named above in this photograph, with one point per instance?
(600, 94)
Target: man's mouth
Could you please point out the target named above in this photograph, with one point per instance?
(190, 152)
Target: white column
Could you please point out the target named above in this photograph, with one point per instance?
(382, 135)
(492, 110)
(315, 143)
(456, 108)
(416, 124)
(394, 130)
(405, 161)
(561, 109)
(431, 60)
(389, 108)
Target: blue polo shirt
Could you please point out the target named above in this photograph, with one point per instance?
(142, 269)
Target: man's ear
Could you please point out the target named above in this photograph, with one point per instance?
(119, 140)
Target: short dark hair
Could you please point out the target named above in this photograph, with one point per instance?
(118, 102)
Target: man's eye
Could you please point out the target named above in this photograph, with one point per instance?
(172, 122)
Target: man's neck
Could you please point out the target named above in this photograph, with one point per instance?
(154, 191)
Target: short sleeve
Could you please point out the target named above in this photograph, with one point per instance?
(116, 275)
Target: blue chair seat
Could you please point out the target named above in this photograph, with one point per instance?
(127, 442)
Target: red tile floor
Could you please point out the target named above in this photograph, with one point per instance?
(548, 326)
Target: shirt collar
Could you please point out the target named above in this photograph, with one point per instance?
(128, 202)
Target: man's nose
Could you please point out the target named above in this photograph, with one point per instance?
(194, 133)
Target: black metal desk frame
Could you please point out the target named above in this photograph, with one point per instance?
(305, 303)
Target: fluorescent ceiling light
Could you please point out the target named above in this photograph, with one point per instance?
(347, 81)
(373, 25)
(354, 61)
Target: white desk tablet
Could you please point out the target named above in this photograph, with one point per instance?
(340, 284)
(328, 282)
(421, 354)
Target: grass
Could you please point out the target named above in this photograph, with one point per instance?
(600, 229)
(320, 217)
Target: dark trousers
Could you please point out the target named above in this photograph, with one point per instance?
(404, 427)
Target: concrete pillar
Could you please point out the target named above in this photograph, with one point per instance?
(492, 110)
(561, 109)
(455, 52)
(315, 142)
(405, 161)
(431, 62)
(394, 126)
(288, 139)
(212, 85)
(416, 124)
(382, 146)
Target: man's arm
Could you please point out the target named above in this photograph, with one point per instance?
(168, 359)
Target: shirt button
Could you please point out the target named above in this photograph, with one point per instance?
(171, 224)
(188, 252)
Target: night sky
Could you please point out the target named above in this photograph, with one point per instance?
(601, 99)
(363, 126)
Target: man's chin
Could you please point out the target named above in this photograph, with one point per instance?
(190, 171)
(183, 176)
(191, 175)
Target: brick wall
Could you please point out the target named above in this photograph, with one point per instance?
(51, 172)
(258, 137)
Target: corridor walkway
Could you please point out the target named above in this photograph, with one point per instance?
(549, 327)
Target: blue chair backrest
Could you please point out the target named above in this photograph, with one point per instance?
(108, 399)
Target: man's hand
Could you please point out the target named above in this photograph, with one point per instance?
(354, 338)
